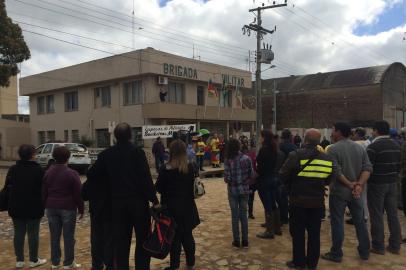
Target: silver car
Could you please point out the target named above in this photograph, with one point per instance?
(79, 159)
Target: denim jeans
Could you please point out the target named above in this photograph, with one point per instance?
(21, 228)
(158, 163)
(337, 210)
(382, 197)
(239, 213)
(267, 190)
(200, 161)
(62, 221)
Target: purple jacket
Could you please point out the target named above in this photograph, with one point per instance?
(61, 189)
(158, 149)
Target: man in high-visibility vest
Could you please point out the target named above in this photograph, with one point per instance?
(201, 146)
(306, 172)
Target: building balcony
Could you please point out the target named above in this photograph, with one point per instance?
(192, 112)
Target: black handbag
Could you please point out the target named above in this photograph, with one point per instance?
(5, 192)
(159, 241)
(4, 198)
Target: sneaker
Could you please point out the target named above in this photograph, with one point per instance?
(244, 244)
(393, 251)
(266, 235)
(19, 265)
(251, 216)
(377, 251)
(292, 265)
(330, 257)
(236, 244)
(39, 262)
(72, 266)
(55, 266)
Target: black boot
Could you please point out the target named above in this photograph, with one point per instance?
(276, 220)
(268, 234)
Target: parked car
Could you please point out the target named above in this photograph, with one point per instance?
(79, 159)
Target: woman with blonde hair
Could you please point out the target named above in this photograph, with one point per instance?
(176, 184)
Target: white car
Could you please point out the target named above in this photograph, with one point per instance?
(79, 159)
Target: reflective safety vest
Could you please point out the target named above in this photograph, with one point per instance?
(316, 168)
(307, 189)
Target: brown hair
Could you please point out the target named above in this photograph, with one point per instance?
(26, 151)
(61, 154)
(178, 157)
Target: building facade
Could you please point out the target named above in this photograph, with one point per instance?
(358, 96)
(143, 87)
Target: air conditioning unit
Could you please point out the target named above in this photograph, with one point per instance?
(162, 80)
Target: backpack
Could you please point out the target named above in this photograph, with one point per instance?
(159, 242)
(198, 187)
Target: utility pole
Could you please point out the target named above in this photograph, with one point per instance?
(260, 31)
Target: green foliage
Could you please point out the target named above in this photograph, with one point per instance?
(13, 49)
(86, 141)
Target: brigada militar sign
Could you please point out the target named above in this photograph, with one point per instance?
(180, 71)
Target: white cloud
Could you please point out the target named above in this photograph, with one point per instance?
(302, 44)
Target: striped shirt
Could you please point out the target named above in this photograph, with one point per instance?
(237, 173)
(384, 154)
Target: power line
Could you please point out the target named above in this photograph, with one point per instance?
(208, 49)
(316, 34)
(104, 51)
(93, 22)
(333, 29)
(114, 27)
(185, 34)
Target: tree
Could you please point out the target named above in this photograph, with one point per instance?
(13, 49)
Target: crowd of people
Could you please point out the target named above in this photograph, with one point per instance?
(292, 176)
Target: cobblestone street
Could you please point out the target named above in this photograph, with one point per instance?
(213, 238)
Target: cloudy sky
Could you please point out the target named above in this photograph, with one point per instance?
(312, 35)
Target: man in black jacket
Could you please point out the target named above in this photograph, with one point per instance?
(306, 172)
(128, 182)
(384, 154)
(96, 190)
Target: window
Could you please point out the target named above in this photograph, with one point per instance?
(48, 149)
(40, 105)
(200, 95)
(137, 136)
(176, 93)
(41, 137)
(133, 93)
(102, 97)
(50, 104)
(102, 138)
(66, 135)
(75, 136)
(39, 149)
(71, 101)
(51, 135)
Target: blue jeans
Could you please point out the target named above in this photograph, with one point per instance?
(21, 228)
(267, 190)
(159, 161)
(383, 197)
(239, 213)
(62, 221)
(337, 210)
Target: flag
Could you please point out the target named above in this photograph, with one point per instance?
(211, 89)
(238, 96)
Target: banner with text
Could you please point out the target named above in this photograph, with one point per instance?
(152, 132)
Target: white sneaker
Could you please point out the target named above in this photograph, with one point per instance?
(19, 265)
(72, 266)
(39, 262)
(55, 266)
